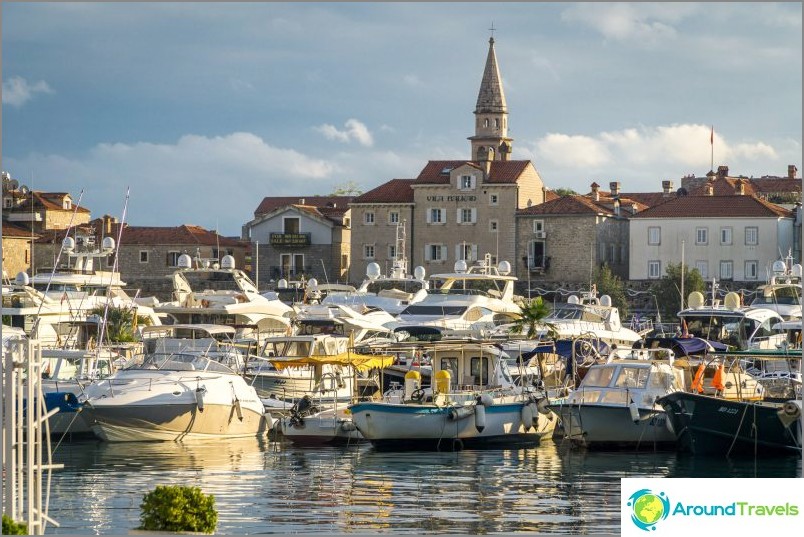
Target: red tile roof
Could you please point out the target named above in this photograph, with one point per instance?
(502, 171)
(724, 186)
(184, 234)
(12, 231)
(714, 207)
(394, 191)
(564, 205)
(270, 204)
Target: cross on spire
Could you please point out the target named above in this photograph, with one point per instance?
(492, 29)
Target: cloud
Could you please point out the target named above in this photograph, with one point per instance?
(643, 23)
(355, 130)
(412, 81)
(17, 91)
(565, 150)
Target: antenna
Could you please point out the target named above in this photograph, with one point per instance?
(114, 271)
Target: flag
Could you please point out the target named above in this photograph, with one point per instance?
(717, 380)
(712, 136)
(684, 330)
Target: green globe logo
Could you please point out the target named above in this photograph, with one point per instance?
(648, 508)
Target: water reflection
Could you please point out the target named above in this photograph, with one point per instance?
(269, 487)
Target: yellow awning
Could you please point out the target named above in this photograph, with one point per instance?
(361, 362)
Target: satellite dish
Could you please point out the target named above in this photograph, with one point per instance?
(573, 299)
(107, 244)
(681, 192)
(732, 300)
(69, 244)
(373, 271)
(184, 261)
(695, 300)
(605, 300)
(419, 273)
(796, 270)
(504, 268)
(22, 279)
(460, 266)
(779, 267)
(228, 262)
(282, 284)
(24, 189)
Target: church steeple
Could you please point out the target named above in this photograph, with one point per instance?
(491, 141)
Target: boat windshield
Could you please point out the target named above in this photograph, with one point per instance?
(787, 295)
(406, 286)
(287, 349)
(721, 328)
(177, 362)
(570, 312)
(418, 309)
(470, 286)
(599, 377)
(632, 377)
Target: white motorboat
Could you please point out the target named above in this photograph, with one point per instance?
(174, 396)
(782, 293)
(472, 402)
(615, 404)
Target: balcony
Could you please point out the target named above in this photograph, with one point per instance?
(539, 264)
(290, 240)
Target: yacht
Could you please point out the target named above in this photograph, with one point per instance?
(782, 293)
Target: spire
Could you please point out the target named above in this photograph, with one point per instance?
(491, 98)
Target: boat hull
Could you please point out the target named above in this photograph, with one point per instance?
(716, 426)
(612, 426)
(320, 430)
(177, 422)
(409, 426)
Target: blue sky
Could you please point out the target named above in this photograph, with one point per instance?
(202, 109)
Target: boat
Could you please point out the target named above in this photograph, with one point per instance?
(208, 292)
(782, 292)
(737, 414)
(615, 404)
(472, 403)
(175, 394)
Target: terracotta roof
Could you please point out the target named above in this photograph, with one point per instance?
(649, 199)
(714, 207)
(550, 195)
(776, 184)
(394, 191)
(564, 205)
(502, 171)
(270, 204)
(724, 186)
(12, 231)
(43, 199)
(184, 234)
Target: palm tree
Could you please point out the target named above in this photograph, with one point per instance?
(532, 317)
(121, 325)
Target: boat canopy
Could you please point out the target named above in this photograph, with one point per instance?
(361, 362)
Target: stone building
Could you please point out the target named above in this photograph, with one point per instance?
(16, 250)
(454, 209)
(296, 238)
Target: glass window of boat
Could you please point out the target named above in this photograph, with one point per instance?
(479, 369)
(410, 286)
(779, 295)
(471, 286)
(292, 348)
(632, 377)
(599, 376)
(450, 364)
(416, 309)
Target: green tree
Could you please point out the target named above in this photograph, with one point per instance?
(120, 327)
(532, 315)
(610, 284)
(13, 528)
(349, 188)
(668, 289)
(565, 192)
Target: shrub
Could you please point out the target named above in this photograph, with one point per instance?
(13, 528)
(178, 508)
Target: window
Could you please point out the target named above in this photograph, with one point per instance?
(725, 235)
(467, 182)
(751, 270)
(654, 269)
(467, 215)
(368, 218)
(368, 251)
(751, 236)
(393, 217)
(392, 251)
(347, 222)
(292, 225)
(726, 270)
(7, 203)
(538, 226)
(173, 259)
(701, 235)
(601, 252)
(703, 268)
(654, 235)
(435, 252)
(435, 216)
(466, 252)
(494, 199)
(68, 204)
(493, 226)
(143, 256)
(613, 253)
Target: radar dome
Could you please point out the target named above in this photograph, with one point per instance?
(184, 261)
(373, 271)
(108, 244)
(573, 299)
(779, 267)
(312, 283)
(695, 300)
(22, 279)
(796, 270)
(460, 266)
(605, 300)
(282, 284)
(504, 268)
(419, 273)
(732, 300)
(228, 262)
(69, 244)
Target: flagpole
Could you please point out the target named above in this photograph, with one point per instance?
(712, 147)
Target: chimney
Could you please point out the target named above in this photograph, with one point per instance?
(722, 171)
(301, 201)
(710, 188)
(791, 171)
(614, 186)
(634, 208)
(596, 191)
(616, 207)
(667, 187)
(739, 187)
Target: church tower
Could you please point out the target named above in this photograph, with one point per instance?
(491, 141)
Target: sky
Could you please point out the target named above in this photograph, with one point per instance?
(199, 110)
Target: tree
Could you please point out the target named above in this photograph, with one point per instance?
(350, 188)
(610, 284)
(668, 289)
(531, 317)
(120, 326)
(565, 192)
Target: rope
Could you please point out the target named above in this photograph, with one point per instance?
(737, 433)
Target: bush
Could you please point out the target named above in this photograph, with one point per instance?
(178, 508)
(13, 528)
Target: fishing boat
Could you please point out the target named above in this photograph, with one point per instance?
(615, 404)
(473, 402)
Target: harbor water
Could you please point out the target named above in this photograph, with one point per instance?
(264, 487)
